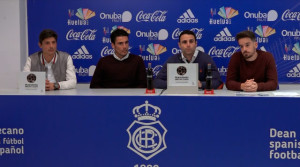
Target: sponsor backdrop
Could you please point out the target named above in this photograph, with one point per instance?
(84, 27)
(149, 131)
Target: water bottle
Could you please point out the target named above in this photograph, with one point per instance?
(208, 78)
(149, 77)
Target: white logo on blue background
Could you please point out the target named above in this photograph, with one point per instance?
(224, 35)
(146, 134)
(126, 16)
(82, 53)
(295, 72)
(187, 17)
(272, 15)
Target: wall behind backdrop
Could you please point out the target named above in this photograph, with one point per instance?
(84, 27)
(13, 41)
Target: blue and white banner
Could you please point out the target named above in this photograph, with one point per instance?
(84, 27)
(156, 131)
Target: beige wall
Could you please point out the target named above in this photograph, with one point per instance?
(13, 41)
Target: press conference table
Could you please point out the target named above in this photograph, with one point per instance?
(84, 90)
(128, 128)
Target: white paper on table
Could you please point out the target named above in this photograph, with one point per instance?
(286, 93)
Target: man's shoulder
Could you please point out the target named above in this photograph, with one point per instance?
(36, 54)
(35, 57)
(202, 55)
(62, 53)
(237, 55)
(107, 57)
(174, 58)
(134, 56)
(266, 56)
(264, 53)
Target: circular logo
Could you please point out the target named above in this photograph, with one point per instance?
(146, 139)
(31, 78)
(181, 70)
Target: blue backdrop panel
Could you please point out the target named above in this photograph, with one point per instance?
(92, 131)
(84, 28)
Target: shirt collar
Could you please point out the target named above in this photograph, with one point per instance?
(43, 60)
(193, 58)
(125, 57)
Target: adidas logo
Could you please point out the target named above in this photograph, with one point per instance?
(295, 72)
(82, 53)
(224, 35)
(187, 17)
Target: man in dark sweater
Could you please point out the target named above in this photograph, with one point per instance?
(188, 43)
(251, 70)
(122, 69)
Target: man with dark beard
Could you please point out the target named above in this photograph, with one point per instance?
(251, 70)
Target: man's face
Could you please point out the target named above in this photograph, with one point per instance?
(248, 48)
(187, 44)
(121, 46)
(48, 46)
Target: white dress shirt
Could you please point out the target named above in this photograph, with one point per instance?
(193, 58)
(124, 58)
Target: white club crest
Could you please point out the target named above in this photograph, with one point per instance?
(146, 134)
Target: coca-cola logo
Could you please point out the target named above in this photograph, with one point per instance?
(176, 33)
(225, 53)
(289, 15)
(86, 35)
(157, 16)
(197, 31)
(105, 51)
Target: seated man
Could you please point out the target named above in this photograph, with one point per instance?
(187, 43)
(251, 70)
(122, 69)
(60, 71)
